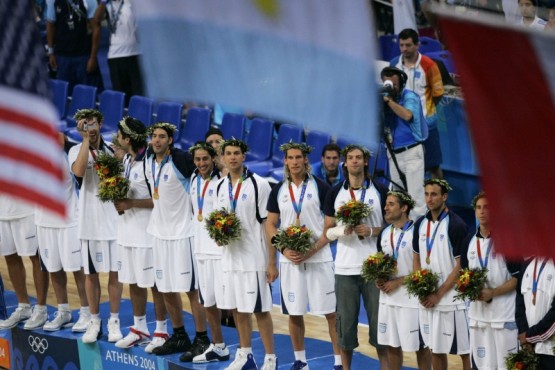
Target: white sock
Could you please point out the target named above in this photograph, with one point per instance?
(139, 322)
(24, 305)
(40, 308)
(95, 316)
(85, 310)
(114, 315)
(161, 326)
(246, 350)
(220, 345)
(269, 356)
(300, 355)
(337, 360)
(63, 307)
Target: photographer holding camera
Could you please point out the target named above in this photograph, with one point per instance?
(405, 128)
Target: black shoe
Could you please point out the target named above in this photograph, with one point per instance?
(200, 344)
(176, 344)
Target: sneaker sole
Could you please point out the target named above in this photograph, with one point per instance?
(64, 326)
(221, 359)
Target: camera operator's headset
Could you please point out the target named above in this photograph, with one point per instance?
(388, 71)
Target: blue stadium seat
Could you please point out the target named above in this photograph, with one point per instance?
(196, 126)
(84, 97)
(233, 125)
(445, 57)
(428, 45)
(59, 90)
(259, 140)
(389, 47)
(170, 112)
(111, 104)
(317, 140)
(286, 133)
(140, 107)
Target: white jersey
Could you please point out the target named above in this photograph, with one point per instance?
(204, 246)
(46, 218)
(133, 223)
(123, 42)
(537, 23)
(402, 244)
(501, 309)
(249, 253)
(311, 212)
(173, 212)
(351, 251)
(12, 208)
(447, 241)
(544, 300)
(97, 220)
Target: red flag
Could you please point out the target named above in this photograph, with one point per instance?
(509, 88)
(30, 156)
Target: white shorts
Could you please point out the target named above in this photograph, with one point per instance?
(174, 266)
(18, 236)
(99, 256)
(490, 346)
(210, 284)
(59, 248)
(307, 284)
(445, 331)
(398, 327)
(247, 291)
(136, 266)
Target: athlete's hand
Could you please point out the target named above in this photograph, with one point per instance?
(293, 256)
(362, 230)
(486, 295)
(431, 301)
(272, 273)
(122, 205)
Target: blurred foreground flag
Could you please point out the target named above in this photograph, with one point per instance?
(30, 156)
(508, 81)
(308, 62)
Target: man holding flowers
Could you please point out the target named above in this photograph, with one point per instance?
(306, 266)
(493, 330)
(398, 315)
(354, 245)
(246, 269)
(438, 244)
(168, 171)
(97, 226)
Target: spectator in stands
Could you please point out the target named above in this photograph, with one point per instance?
(124, 50)
(214, 136)
(353, 246)
(528, 13)
(424, 79)
(135, 244)
(72, 49)
(328, 169)
(550, 26)
(299, 200)
(493, 331)
(438, 247)
(405, 130)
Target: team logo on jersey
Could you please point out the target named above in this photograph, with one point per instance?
(426, 329)
(309, 196)
(244, 197)
(159, 274)
(441, 237)
(404, 244)
(46, 253)
(291, 297)
(166, 177)
(481, 352)
(135, 176)
(549, 277)
(371, 202)
(210, 192)
(382, 327)
(99, 257)
(119, 265)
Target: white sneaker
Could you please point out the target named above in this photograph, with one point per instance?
(158, 340)
(15, 318)
(37, 319)
(83, 323)
(299, 365)
(114, 332)
(61, 319)
(94, 331)
(134, 338)
(270, 363)
(212, 353)
(242, 362)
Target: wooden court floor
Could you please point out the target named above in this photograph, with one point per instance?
(316, 326)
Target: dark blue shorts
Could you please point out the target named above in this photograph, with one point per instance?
(432, 150)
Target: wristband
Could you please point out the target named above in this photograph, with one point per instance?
(371, 232)
(50, 50)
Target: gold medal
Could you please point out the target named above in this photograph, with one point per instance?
(156, 196)
(199, 217)
(428, 260)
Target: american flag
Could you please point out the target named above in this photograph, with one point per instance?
(30, 156)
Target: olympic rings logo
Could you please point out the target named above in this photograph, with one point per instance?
(38, 344)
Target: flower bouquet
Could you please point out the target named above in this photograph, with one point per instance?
(112, 186)
(378, 266)
(297, 238)
(223, 226)
(421, 283)
(470, 283)
(525, 359)
(352, 213)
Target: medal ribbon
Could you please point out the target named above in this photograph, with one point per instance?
(430, 243)
(114, 16)
(155, 178)
(483, 264)
(536, 279)
(298, 207)
(396, 248)
(131, 162)
(233, 198)
(200, 198)
(362, 195)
